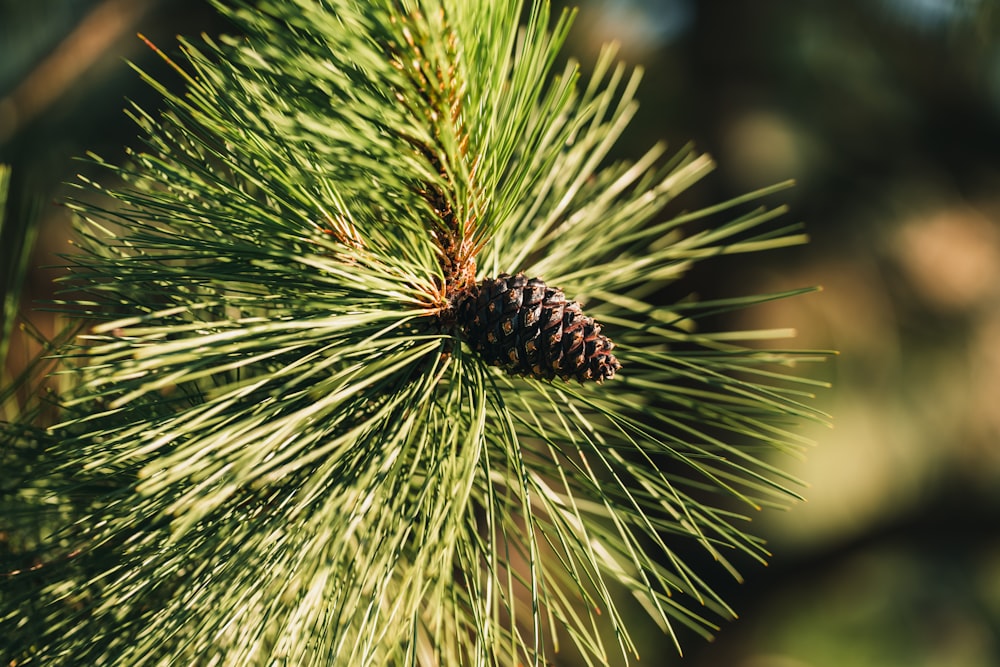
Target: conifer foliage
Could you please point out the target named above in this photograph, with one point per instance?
(284, 437)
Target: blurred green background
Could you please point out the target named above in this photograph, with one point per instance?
(887, 114)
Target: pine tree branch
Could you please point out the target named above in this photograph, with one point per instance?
(280, 442)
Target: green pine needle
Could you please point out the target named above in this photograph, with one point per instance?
(277, 447)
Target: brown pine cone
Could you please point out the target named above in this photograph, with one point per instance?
(530, 329)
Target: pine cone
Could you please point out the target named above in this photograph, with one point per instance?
(530, 329)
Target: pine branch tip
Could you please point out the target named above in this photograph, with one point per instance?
(253, 194)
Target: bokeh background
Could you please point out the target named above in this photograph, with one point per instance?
(886, 113)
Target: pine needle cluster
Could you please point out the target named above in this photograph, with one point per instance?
(278, 446)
